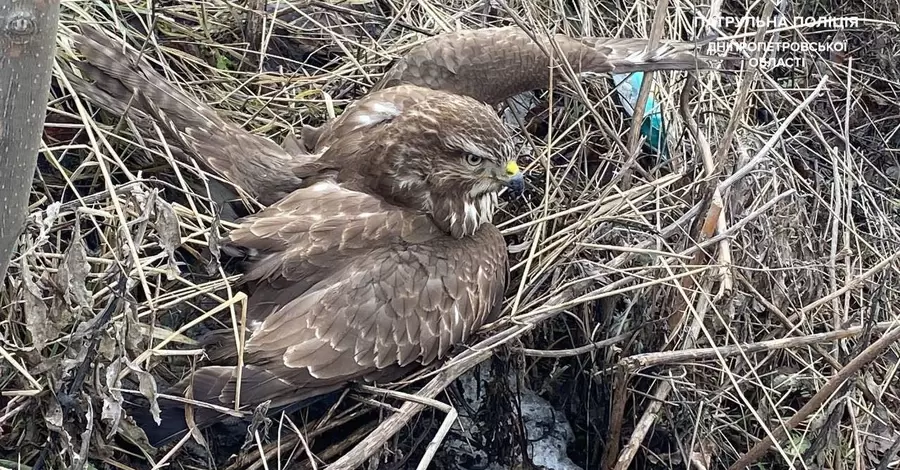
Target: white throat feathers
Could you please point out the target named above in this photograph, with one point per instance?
(467, 218)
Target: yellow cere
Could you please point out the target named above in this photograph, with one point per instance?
(512, 168)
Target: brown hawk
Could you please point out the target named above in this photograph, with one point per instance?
(381, 261)
(375, 254)
(489, 64)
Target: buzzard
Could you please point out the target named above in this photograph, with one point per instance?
(380, 261)
(376, 253)
(489, 64)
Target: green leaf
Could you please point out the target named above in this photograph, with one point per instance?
(223, 62)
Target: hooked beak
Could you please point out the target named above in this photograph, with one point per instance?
(515, 181)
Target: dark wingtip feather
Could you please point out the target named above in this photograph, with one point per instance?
(173, 425)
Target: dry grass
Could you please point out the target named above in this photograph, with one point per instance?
(679, 314)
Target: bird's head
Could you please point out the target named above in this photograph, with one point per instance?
(445, 154)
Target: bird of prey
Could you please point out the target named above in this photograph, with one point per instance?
(489, 65)
(376, 253)
(381, 261)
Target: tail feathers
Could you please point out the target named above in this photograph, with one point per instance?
(173, 424)
(217, 385)
(219, 346)
(206, 386)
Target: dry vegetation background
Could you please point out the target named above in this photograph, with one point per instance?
(678, 314)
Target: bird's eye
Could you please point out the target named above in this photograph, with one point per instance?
(473, 160)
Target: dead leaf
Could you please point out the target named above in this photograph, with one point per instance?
(77, 351)
(47, 220)
(879, 432)
(214, 245)
(134, 433)
(37, 317)
(72, 276)
(108, 346)
(112, 399)
(169, 233)
(79, 459)
(147, 386)
(192, 427)
(133, 337)
(54, 415)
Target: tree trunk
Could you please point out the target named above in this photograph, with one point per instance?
(27, 49)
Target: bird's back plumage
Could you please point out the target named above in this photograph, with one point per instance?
(364, 292)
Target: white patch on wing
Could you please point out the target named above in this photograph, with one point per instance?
(323, 186)
(385, 107)
(375, 113)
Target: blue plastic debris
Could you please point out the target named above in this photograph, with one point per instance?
(653, 129)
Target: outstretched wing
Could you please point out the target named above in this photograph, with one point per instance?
(492, 64)
(254, 163)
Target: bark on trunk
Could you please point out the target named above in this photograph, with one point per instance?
(27, 49)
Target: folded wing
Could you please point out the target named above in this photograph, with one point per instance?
(349, 288)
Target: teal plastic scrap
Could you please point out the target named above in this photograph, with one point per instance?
(653, 129)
